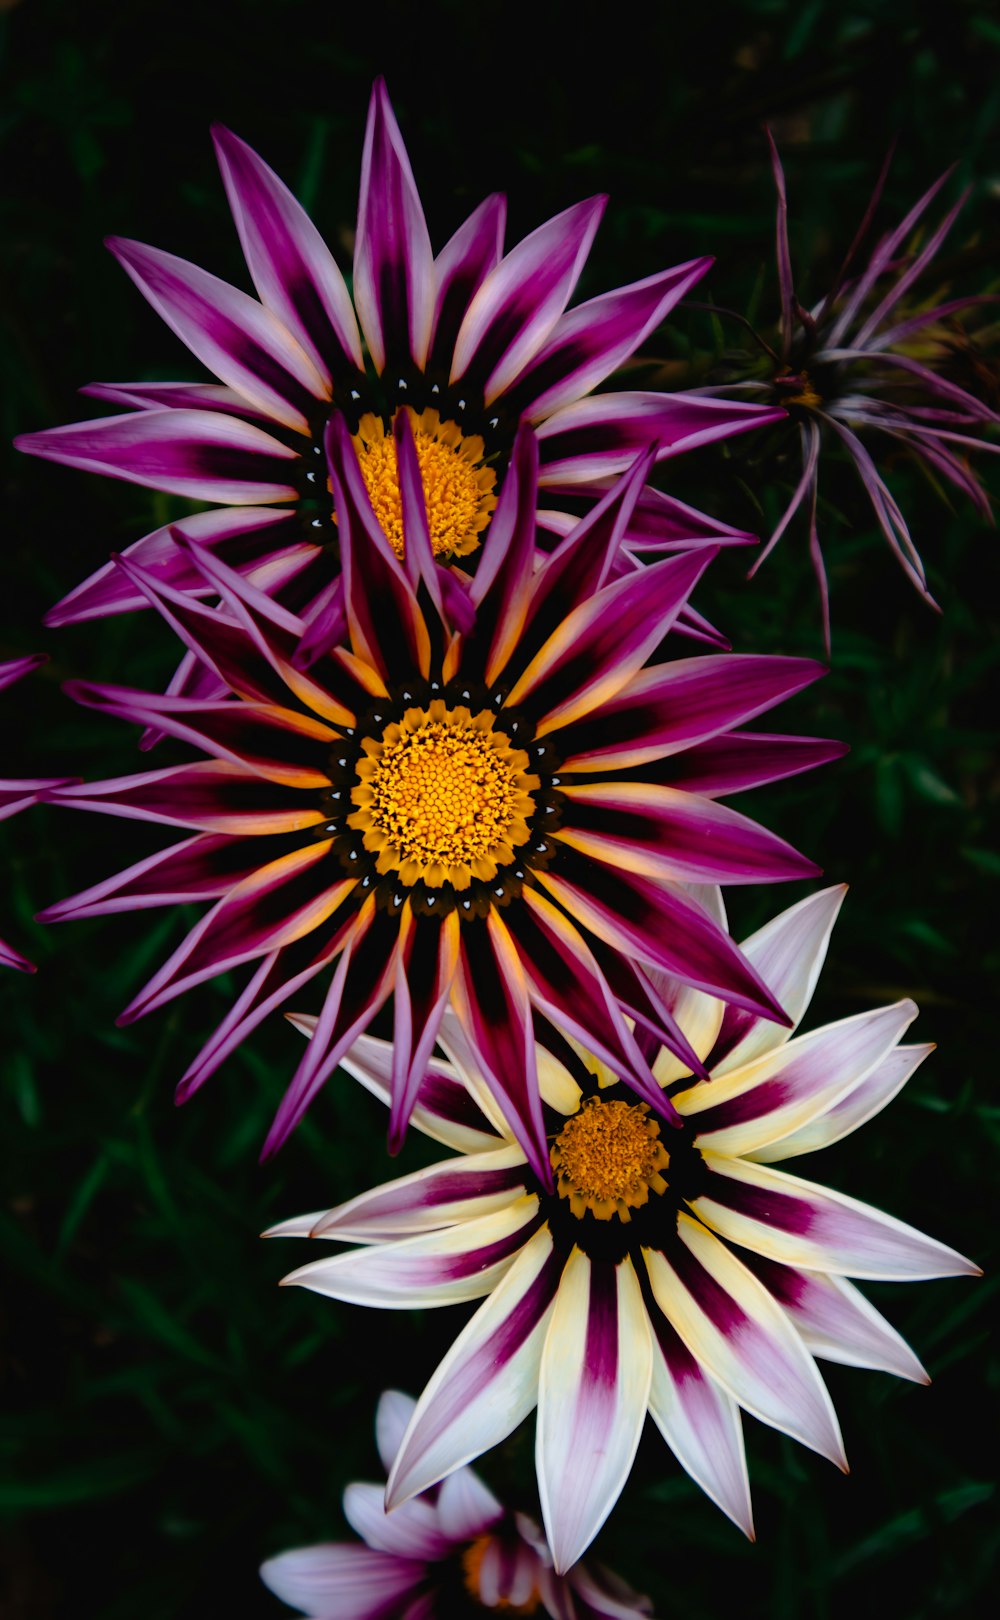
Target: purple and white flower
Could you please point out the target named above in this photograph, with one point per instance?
(453, 1551)
(675, 1271)
(491, 800)
(466, 345)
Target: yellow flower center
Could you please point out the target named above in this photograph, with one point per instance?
(458, 489)
(443, 797)
(608, 1158)
(472, 1566)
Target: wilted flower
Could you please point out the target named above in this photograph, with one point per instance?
(503, 818)
(18, 795)
(467, 345)
(868, 370)
(451, 1553)
(618, 1291)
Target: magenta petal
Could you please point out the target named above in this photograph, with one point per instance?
(293, 270)
(744, 759)
(394, 279)
(521, 300)
(143, 396)
(594, 339)
(16, 668)
(197, 869)
(243, 343)
(460, 269)
(600, 436)
(199, 454)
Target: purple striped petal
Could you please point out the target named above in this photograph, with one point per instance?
(800, 1223)
(837, 1323)
(460, 270)
(700, 1423)
(291, 266)
(241, 342)
(744, 759)
(394, 281)
(852, 1109)
(342, 1581)
(465, 1508)
(433, 1268)
(592, 1393)
(600, 436)
(249, 537)
(197, 869)
(660, 926)
(447, 1194)
(788, 1087)
(199, 454)
(145, 396)
(445, 1110)
(13, 959)
(604, 641)
(519, 303)
(19, 793)
(209, 797)
(788, 953)
(670, 707)
(742, 1338)
(662, 833)
(488, 1382)
(594, 339)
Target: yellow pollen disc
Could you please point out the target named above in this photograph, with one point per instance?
(807, 395)
(458, 489)
(443, 797)
(472, 1564)
(608, 1159)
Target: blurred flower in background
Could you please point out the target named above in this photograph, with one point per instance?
(877, 363)
(18, 795)
(466, 345)
(619, 1290)
(451, 1552)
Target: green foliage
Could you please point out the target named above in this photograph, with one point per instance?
(170, 1418)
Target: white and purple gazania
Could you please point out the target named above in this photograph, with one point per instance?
(674, 1271)
(18, 795)
(467, 345)
(452, 1552)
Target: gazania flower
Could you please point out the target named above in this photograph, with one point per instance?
(453, 1552)
(467, 344)
(502, 818)
(18, 795)
(865, 370)
(674, 1271)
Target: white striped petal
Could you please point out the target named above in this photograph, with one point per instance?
(788, 953)
(701, 1424)
(447, 1194)
(592, 1397)
(855, 1108)
(412, 1531)
(733, 1326)
(488, 1382)
(342, 1580)
(465, 1507)
(436, 1268)
(788, 1088)
(803, 1224)
(838, 1323)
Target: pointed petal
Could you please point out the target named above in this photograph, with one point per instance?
(763, 1101)
(700, 1423)
(394, 281)
(342, 1579)
(852, 1108)
(488, 1381)
(447, 1194)
(446, 1111)
(788, 953)
(292, 268)
(836, 1322)
(412, 1531)
(592, 1394)
(743, 1339)
(460, 270)
(521, 300)
(199, 454)
(600, 436)
(803, 1224)
(744, 759)
(243, 343)
(465, 1506)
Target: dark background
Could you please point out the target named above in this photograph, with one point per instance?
(169, 1418)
